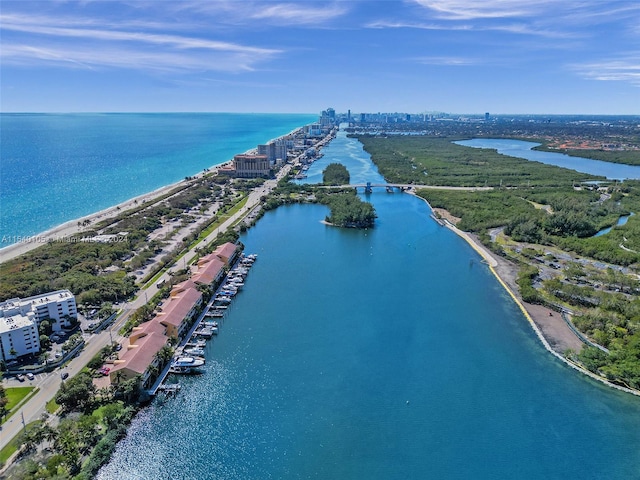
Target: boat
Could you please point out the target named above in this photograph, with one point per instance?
(210, 323)
(215, 314)
(194, 351)
(186, 361)
(205, 332)
(187, 365)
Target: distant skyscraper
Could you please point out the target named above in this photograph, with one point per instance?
(349, 115)
(486, 117)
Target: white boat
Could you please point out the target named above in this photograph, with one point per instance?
(210, 323)
(194, 351)
(187, 365)
(205, 332)
(186, 361)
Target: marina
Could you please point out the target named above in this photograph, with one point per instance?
(189, 356)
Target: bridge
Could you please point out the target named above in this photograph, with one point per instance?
(368, 187)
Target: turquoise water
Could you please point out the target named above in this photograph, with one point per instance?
(59, 167)
(521, 149)
(389, 353)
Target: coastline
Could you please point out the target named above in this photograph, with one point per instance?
(537, 315)
(63, 231)
(71, 227)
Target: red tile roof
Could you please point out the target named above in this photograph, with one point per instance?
(179, 304)
(225, 251)
(209, 268)
(139, 356)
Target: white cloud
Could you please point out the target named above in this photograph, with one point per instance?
(298, 13)
(77, 42)
(274, 13)
(474, 9)
(621, 70)
(82, 56)
(448, 61)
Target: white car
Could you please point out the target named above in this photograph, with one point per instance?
(30, 376)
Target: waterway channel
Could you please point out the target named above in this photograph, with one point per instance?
(389, 353)
(522, 149)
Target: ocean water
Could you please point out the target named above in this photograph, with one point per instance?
(58, 167)
(388, 353)
(522, 149)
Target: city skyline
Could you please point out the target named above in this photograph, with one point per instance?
(503, 57)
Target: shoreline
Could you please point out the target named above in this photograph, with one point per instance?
(533, 313)
(65, 230)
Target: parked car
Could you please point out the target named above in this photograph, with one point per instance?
(20, 377)
(30, 376)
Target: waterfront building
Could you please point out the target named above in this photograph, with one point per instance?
(227, 252)
(176, 314)
(251, 166)
(209, 270)
(148, 338)
(276, 151)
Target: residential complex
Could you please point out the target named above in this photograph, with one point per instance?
(175, 317)
(20, 319)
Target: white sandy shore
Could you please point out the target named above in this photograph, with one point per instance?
(63, 232)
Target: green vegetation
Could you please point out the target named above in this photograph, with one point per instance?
(93, 422)
(438, 161)
(538, 209)
(335, 174)
(347, 210)
(15, 395)
(99, 272)
(16, 443)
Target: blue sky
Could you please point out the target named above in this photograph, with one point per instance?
(458, 56)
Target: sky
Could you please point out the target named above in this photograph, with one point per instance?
(415, 56)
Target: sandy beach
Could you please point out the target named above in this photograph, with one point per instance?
(62, 232)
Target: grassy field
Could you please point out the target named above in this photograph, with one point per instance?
(16, 394)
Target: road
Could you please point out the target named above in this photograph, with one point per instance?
(48, 384)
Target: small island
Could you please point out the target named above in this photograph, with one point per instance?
(335, 174)
(347, 209)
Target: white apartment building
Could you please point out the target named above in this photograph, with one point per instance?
(18, 336)
(20, 318)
